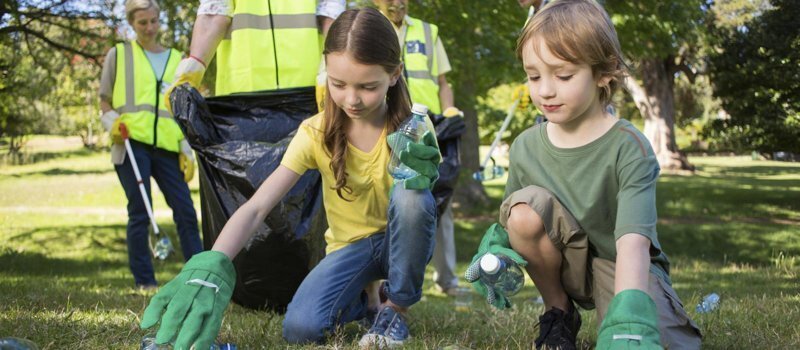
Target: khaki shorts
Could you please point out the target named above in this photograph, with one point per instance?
(590, 281)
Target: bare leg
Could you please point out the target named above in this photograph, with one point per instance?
(528, 238)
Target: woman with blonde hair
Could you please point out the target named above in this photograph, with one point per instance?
(135, 74)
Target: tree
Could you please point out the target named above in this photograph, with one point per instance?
(662, 38)
(756, 74)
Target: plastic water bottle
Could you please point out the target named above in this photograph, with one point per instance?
(162, 248)
(411, 130)
(709, 303)
(13, 343)
(149, 343)
(502, 273)
(489, 173)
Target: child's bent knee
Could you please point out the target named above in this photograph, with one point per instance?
(524, 222)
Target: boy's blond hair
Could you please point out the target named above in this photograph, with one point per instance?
(578, 31)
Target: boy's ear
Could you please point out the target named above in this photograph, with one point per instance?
(396, 75)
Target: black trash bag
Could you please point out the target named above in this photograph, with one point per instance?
(240, 140)
(448, 135)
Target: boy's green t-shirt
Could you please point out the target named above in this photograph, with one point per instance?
(608, 185)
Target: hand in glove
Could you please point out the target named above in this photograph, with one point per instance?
(494, 241)
(423, 157)
(190, 70)
(108, 119)
(452, 112)
(186, 161)
(116, 133)
(521, 92)
(191, 306)
(630, 323)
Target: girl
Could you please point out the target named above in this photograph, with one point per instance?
(369, 238)
(130, 94)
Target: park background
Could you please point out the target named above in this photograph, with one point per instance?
(715, 88)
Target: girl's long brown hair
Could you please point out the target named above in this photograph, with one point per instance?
(368, 37)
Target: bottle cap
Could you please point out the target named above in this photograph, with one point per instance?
(419, 108)
(490, 263)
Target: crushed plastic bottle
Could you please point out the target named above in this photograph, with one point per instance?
(502, 273)
(13, 343)
(708, 303)
(411, 130)
(149, 343)
(162, 248)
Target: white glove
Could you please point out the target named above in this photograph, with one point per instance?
(108, 118)
(190, 70)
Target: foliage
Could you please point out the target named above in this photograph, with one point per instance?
(756, 75)
(729, 229)
(51, 57)
(493, 109)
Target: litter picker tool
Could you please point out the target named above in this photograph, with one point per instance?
(495, 171)
(163, 246)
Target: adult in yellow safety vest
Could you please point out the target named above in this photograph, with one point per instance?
(425, 65)
(133, 81)
(261, 45)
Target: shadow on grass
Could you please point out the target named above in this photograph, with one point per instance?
(26, 158)
(63, 171)
(33, 264)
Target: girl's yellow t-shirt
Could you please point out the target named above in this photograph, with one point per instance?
(366, 212)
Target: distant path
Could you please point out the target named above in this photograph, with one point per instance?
(160, 213)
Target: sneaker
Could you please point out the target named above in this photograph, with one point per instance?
(388, 331)
(558, 329)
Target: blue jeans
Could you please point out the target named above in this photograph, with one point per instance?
(163, 167)
(333, 293)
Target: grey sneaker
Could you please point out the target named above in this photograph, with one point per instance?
(558, 329)
(389, 330)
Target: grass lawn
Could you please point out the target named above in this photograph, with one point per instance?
(731, 228)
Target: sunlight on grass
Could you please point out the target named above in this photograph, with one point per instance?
(731, 229)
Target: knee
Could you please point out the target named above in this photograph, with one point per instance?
(302, 330)
(525, 223)
(412, 202)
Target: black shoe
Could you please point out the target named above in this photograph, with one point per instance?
(558, 329)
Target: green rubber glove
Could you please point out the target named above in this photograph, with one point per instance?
(422, 157)
(191, 306)
(631, 323)
(494, 241)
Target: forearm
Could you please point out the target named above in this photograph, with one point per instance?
(445, 93)
(208, 32)
(105, 106)
(324, 23)
(633, 263)
(246, 220)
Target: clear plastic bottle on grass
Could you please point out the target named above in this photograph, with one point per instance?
(708, 303)
(14, 343)
(501, 273)
(411, 130)
(149, 343)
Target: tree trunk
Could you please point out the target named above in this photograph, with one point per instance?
(656, 104)
(469, 190)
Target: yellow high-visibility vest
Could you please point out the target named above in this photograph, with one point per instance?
(138, 93)
(422, 70)
(270, 45)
